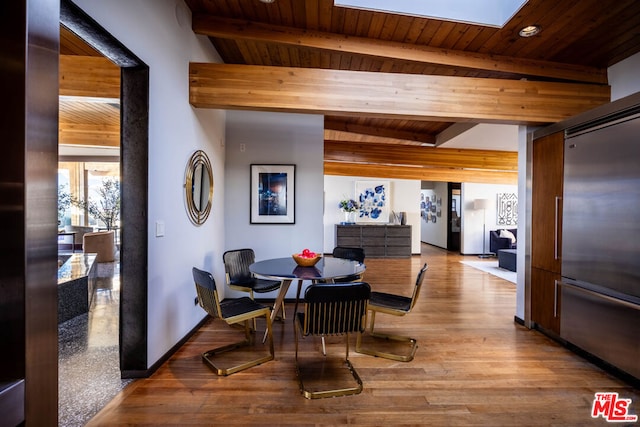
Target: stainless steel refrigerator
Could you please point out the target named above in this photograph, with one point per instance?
(600, 310)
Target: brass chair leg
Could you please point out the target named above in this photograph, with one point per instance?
(409, 345)
(211, 357)
(319, 394)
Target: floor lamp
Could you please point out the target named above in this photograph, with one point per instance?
(477, 205)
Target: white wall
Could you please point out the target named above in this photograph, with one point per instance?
(176, 130)
(405, 197)
(435, 233)
(472, 235)
(274, 138)
(623, 77)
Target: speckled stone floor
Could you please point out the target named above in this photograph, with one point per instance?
(88, 367)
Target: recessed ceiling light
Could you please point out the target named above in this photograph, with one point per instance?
(267, 1)
(530, 31)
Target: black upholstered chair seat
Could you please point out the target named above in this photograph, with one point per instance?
(391, 301)
(230, 308)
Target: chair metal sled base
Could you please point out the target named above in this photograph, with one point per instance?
(216, 360)
(387, 340)
(318, 394)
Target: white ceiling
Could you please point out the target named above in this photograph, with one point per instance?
(482, 136)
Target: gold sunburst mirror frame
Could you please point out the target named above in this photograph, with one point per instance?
(199, 187)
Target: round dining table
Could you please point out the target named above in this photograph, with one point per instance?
(286, 270)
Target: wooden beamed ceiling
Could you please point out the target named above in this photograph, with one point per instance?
(511, 67)
(89, 90)
(422, 163)
(389, 95)
(386, 81)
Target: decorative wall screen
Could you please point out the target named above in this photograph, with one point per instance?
(507, 209)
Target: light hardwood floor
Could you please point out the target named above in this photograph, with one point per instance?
(474, 366)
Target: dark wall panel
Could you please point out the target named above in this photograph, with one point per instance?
(28, 213)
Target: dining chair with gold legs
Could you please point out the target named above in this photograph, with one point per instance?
(353, 254)
(330, 309)
(241, 355)
(236, 267)
(390, 346)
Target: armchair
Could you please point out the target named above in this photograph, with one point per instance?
(101, 243)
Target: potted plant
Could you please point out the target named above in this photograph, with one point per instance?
(349, 207)
(107, 207)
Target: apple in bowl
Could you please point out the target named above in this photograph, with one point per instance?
(306, 258)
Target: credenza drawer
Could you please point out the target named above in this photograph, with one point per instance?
(374, 231)
(350, 241)
(398, 241)
(399, 231)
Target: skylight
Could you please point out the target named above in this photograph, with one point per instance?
(493, 13)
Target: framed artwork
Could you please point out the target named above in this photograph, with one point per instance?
(373, 199)
(507, 209)
(273, 194)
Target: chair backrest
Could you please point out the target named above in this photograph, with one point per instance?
(236, 265)
(336, 308)
(207, 291)
(418, 286)
(354, 254)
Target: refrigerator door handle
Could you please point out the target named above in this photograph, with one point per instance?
(555, 298)
(555, 229)
(599, 295)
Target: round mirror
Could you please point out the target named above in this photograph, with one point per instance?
(199, 187)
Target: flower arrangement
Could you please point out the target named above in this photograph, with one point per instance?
(348, 205)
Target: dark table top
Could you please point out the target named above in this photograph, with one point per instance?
(326, 268)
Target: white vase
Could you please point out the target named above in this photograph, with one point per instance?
(349, 217)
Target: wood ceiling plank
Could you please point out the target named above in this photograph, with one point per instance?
(89, 134)
(384, 132)
(419, 173)
(389, 95)
(89, 76)
(242, 30)
(421, 156)
(346, 137)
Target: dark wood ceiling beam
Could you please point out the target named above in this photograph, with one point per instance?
(379, 132)
(406, 155)
(419, 173)
(238, 29)
(389, 95)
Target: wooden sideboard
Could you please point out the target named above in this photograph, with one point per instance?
(377, 240)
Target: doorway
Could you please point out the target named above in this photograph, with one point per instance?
(134, 130)
(454, 212)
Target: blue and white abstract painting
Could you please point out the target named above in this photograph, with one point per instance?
(373, 201)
